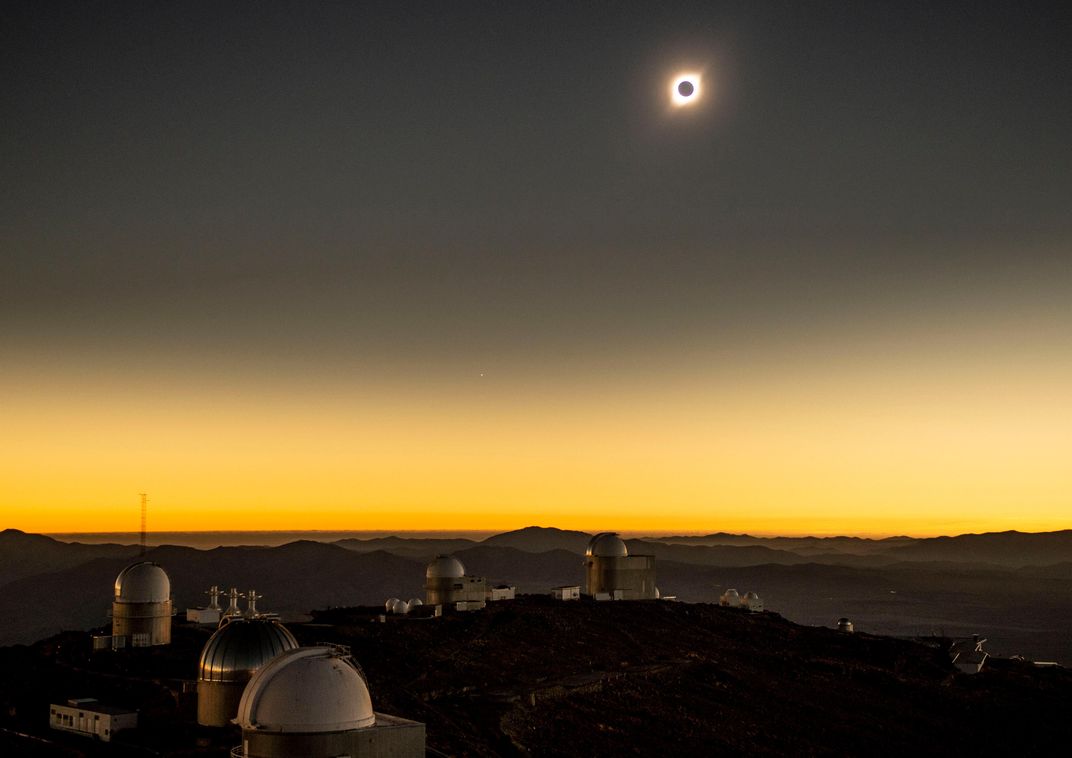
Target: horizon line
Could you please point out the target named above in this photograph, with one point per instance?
(632, 533)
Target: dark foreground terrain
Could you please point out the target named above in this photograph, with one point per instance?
(538, 677)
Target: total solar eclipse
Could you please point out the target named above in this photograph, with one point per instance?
(685, 89)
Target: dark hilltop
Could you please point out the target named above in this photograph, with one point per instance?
(536, 677)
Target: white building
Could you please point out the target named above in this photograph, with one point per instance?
(752, 602)
(210, 615)
(446, 583)
(91, 718)
(313, 702)
(566, 592)
(203, 616)
(502, 592)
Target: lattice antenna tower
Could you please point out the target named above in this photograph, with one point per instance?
(144, 518)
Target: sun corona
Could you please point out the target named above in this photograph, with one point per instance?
(685, 89)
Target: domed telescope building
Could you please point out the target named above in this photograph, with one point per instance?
(445, 583)
(313, 702)
(612, 574)
(228, 661)
(141, 610)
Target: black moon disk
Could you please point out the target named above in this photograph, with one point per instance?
(686, 88)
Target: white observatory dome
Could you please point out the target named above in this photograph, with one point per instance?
(391, 606)
(307, 689)
(751, 596)
(414, 602)
(143, 582)
(445, 567)
(402, 607)
(607, 545)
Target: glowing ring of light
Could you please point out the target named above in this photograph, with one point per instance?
(676, 97)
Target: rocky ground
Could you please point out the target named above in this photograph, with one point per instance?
(538, 677)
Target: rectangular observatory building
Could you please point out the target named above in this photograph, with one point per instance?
(611, 572)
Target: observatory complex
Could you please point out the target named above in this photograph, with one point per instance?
(751, 601)
(446, 583)
(313, 702)
(141, 610)
(612, 574)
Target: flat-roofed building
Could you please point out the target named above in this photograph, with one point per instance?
(502, 592)
(566, 592)
(87, 716)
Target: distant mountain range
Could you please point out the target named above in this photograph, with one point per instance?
(23, 554)
(1013, 587)
(1009, 548)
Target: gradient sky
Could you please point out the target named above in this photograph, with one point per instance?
(460, 265)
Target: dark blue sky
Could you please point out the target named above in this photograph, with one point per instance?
(210, 139)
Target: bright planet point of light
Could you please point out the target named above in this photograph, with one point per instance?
(685, 89)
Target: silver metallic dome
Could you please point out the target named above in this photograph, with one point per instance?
(143, 582)
(240, 647)
(307, 690)
(445, 567)
(606, 545)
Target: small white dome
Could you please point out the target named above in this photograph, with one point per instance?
(402, 607)
(607, 545)
(414, 602)
(143, 582)
(308, 689)
(751, 596)
(445, 567)
(392, 604)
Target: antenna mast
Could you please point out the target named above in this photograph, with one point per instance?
(144, 508)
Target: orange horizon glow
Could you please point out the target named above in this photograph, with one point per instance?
(917, 431)
(478, 533)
